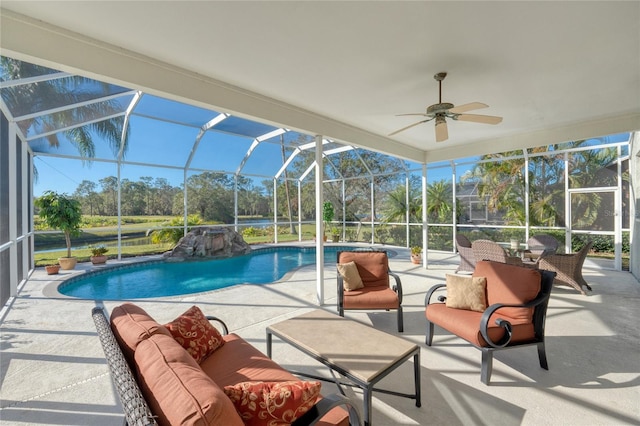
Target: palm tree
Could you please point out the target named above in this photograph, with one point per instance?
(501, 183)
(37, 96)
(439, 201)
(395, 206)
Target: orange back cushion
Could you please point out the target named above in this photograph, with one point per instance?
(509, 284)
(177, 389)
(373, 266)
(131, 325)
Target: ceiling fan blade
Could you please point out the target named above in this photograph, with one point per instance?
(476, 118)
(442, 133)
(410, 126)
(468, 107)
(414, 113)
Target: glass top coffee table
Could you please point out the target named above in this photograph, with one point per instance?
(356, 351)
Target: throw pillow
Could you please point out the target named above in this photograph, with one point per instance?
(273, 403)
(196, 334)
(466, 292)
(350, 276)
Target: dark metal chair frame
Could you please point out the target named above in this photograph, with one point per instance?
(539, 303)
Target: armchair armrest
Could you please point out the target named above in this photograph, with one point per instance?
(397, 287)
(323, 406)
(486, 316)
(225, 329)
(427, 298)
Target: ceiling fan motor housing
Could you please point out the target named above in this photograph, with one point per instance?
(439, 108)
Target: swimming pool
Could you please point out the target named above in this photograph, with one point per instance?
(160, 278)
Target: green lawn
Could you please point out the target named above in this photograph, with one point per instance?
(48, 258)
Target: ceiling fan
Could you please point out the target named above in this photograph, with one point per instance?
(441, 111)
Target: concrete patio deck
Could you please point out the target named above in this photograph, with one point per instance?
(53, 369)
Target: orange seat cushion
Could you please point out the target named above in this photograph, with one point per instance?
(369, 297)
(239, 361)
(373, 267)
(466, 324)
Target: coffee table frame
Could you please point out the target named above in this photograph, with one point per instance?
(367, 386)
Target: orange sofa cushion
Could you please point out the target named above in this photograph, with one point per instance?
(239, 361)
(177, 389)
(373, 267)
(511, 285)
(131, 325)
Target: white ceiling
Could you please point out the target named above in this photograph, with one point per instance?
(555, 71)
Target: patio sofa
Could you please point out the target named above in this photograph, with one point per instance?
(161, 382)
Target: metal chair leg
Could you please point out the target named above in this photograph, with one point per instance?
(487, 366)
(429, 337)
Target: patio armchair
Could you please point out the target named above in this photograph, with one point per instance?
(539, 246)
(568, 268)
(364, 283)
(489, 250)
(467, 260)
(499, 307)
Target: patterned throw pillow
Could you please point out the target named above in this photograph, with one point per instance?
(350, 276)
(466, 292)
(273, 403)
(196, 334)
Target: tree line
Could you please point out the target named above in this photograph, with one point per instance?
(211, 196)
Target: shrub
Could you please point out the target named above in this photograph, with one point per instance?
(173, 235)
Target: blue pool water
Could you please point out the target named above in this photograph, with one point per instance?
(159, 278)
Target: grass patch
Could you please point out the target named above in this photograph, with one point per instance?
(83, 255)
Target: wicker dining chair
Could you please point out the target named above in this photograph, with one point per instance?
(489, 250)
(568, 268)
(467, 260)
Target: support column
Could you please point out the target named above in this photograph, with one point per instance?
(119, 206)
(319, 230)
(13, 208)
(425, 244)
(275, 210)
(299, 211)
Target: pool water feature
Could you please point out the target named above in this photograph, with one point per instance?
(161, 278)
